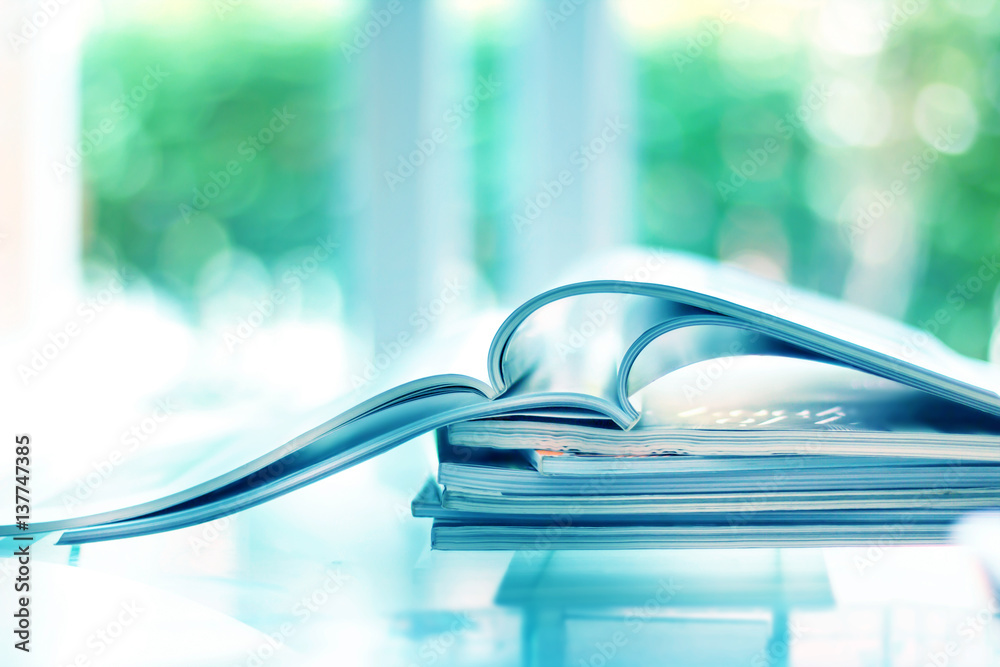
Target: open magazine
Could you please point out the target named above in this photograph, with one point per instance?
(658, 375)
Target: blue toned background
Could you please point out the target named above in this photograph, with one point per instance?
(226, 214)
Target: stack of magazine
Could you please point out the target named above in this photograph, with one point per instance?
(807, 459)
(657, 400)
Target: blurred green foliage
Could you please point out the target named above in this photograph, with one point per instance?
(736, 157)
(224, 131)
(703, 112)
(490, 155)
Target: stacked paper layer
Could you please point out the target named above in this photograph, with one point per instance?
(532, 499)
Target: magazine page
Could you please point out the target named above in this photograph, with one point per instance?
(847, 333)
